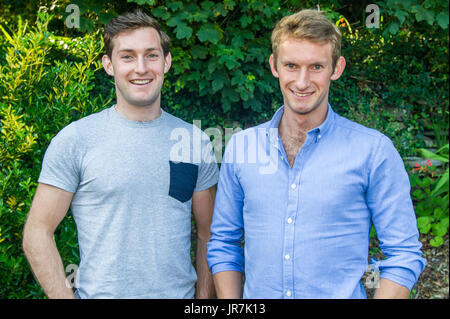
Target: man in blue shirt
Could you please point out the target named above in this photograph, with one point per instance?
(303, 189)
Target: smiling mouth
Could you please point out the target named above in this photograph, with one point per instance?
(141, 82)
(302, 94)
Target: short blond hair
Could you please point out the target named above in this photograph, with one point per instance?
(310, 25)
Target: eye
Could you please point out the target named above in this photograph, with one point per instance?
(153, 56)
(126, 57)
(290, 66)
(317, 67)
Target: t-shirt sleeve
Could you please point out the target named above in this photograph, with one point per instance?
(60, 164)
(208, 173)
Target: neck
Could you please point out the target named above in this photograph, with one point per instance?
(139, 113)
(295, 125)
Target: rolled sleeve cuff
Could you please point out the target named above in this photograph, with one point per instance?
(406, 277)
(401, 276)
(226, 266)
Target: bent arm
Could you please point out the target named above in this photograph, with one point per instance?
(388, 197)
(391, 290)
(50, 204)
(202, 206)
(228, 284)
(225, 251)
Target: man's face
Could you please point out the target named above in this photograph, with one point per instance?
(304, 69)
(138, 65)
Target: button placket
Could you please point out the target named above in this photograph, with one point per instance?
(289, 226)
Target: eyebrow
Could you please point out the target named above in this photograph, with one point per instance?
(312, 63)
(146, 50)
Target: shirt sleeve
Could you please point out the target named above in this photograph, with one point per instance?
(208, 173)
(388, 197)
(224, 247)
(59, 166)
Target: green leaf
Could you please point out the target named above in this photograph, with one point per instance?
(199, 52)
(393, 27)
(418, 194)
(208, 32)
(436, 241)
(428, 154)
(161, 12)
(207, 5)
(238, 41)
(174, 6)
(401, 16)
(423, 221)
(230, 94)
(440, 229)
(6, 35)
(442, 184)
(229, 4)
(219, 10)
(437, 212)
(245, 21)
(177, 19)
(182, 31)
(212, 65)
(226, 105)
(220, 78)
(426, 15)
(144, 2)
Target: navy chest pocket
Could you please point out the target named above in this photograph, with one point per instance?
(183, 178)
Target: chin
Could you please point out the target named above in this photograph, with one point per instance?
(303, 110)
(143, 103)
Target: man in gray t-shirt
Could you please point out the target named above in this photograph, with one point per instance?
(131, 175)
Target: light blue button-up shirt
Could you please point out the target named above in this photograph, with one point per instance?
(306, 228)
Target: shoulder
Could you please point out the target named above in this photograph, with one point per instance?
(78, 130)
(357, 130)
(254, 131)
(172, 120)
(174, 123)
(355, 133)
(363, 137)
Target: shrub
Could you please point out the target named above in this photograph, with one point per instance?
(430, 191)
(40, 94)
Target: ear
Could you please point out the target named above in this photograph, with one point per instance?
(339, 69)
(167, 63)
(273, 66)
(107, 65)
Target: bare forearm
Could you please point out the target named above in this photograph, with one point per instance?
(205, 284)
(391, 290)
(45, 261)
(228, 284)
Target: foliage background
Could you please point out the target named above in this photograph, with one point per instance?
(396, 81)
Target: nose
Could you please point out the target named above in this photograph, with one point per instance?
(140, 66)
(302, 81)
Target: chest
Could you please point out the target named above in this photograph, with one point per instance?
(292, 146)
(115, 167)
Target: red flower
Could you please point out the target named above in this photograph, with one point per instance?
(417, 167)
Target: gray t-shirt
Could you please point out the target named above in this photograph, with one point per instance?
(133, 184)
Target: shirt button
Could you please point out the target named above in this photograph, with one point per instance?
(293, 186)
(288, 293)
(287, 256)
(289, 220)
(319, 136)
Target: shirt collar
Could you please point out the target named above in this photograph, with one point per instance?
(318, 131)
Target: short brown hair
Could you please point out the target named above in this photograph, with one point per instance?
(132, 21)
(307, 24)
